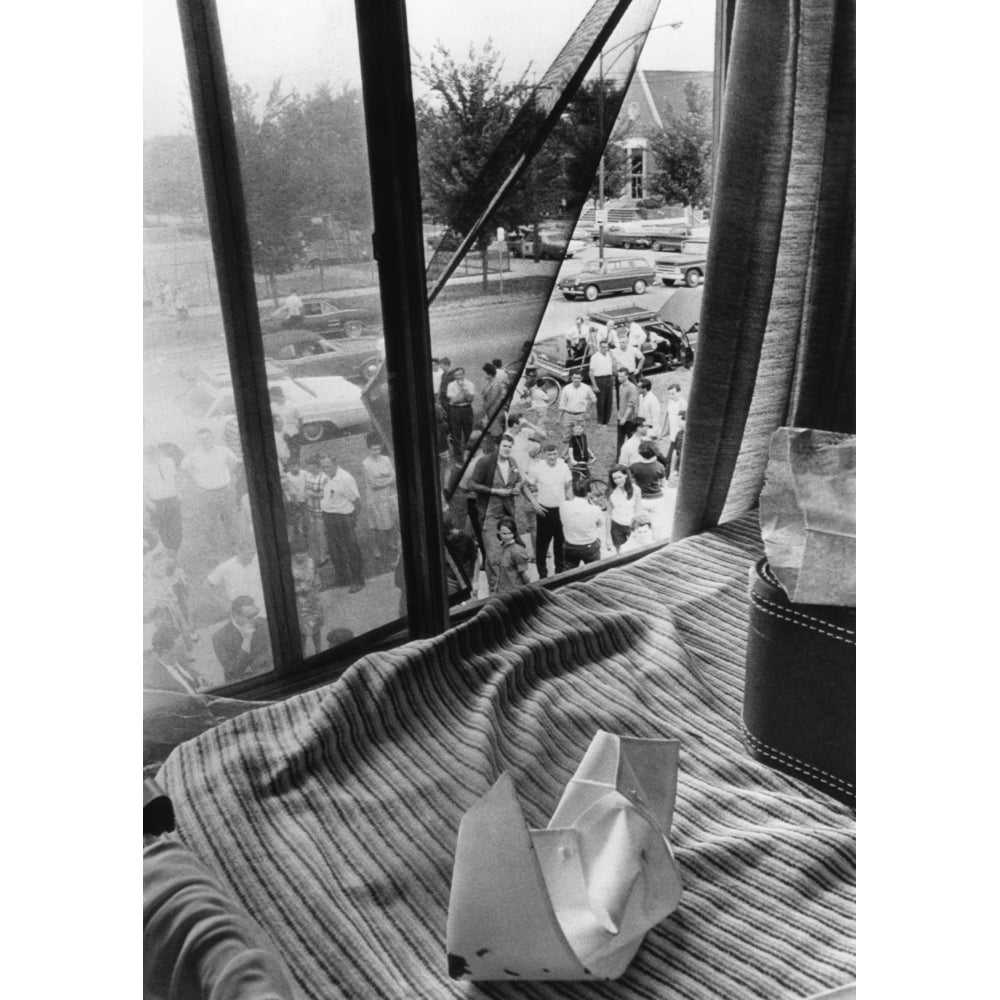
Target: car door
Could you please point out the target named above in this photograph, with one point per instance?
(333, 318)
(312, 316)
(615, 280)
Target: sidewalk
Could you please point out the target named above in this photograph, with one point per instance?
(519, 269)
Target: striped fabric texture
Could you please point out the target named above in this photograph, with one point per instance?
(333, 816)
(777, 338)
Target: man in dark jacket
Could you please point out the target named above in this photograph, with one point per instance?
(628, 405)
(242, 645)
(494, 483)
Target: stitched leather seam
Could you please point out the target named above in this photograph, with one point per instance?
(797, 621)
(784, 758)
(802, 614)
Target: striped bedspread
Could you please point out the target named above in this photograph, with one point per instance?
(333, 816)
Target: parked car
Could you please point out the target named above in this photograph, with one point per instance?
(655, 234)
(678, 238)
(666, 347)
(322, 314)
(626, 239)
(330, 406)
(686, 267)
(304, 352)
(551, 245)
(611, 276)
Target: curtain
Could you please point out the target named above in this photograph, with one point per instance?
(776, 340)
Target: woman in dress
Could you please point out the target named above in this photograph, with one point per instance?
(380, 480)
(623, 505)
(307, 597)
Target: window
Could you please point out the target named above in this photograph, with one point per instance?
(636, 175)
(274, 324)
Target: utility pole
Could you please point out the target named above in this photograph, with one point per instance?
(600, 170)
(600, 121)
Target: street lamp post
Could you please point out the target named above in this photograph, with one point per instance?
(600, 121)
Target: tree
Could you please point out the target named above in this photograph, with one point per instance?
(171, 176)
(332, 168)
(580, 134)
(459, 123)
(682, 153)
(275, 184)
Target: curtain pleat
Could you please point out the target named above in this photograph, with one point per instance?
(777, 325)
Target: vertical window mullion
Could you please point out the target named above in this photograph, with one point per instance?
(216, 135)
(398, 245)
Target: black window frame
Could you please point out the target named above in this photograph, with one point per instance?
(397, 248)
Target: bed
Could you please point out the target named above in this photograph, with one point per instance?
(332, 816)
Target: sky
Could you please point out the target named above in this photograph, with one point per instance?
(307, 42)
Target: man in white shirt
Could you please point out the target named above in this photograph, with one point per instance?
(293, 304)
(553, 480)
(340, 506)
(238, 576)
(602, 380)
(648, 409)
(211, 468)
(627, 357)
(461, 392)
(636, 335)
(291, 421)
(574, 403)
(527, 439)
(527, 445)
(582, 526)
(673, 425)
(629, 452)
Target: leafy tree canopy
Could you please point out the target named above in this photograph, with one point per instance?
(300, 157)
(682, 152)
(581, 133)
(459, 122)
(466, 114)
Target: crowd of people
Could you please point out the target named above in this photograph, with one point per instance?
(323, 505)
(524, 498)
(523, 482)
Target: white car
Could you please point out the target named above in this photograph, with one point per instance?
(329, 405)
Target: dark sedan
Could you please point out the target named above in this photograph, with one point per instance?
(303, 352)
(321, 314)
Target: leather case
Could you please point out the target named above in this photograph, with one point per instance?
(798, 699)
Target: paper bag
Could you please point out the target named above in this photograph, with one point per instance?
(572, 901)
(807, 515)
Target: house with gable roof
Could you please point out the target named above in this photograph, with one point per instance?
(644, 109)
